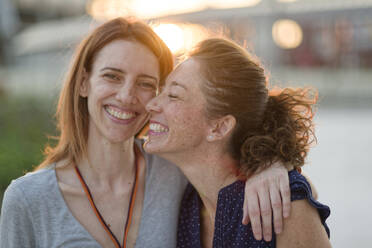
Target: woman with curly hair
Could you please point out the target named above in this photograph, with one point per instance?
(217, 121)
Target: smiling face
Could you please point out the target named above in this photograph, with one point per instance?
(178, 123)
(123, 79)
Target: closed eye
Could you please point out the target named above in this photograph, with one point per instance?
(171, 96)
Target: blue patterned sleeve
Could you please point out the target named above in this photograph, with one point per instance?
(300, 189)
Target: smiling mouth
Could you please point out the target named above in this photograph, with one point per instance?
(121, 115)
(157, 129)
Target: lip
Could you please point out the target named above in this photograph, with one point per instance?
(157, 122)
(117, 120)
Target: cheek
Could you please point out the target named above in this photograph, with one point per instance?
(145, 97)
(100, 90)
(190, 121)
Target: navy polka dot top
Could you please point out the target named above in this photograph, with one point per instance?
(229, 230)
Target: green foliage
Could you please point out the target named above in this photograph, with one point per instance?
(25, 124)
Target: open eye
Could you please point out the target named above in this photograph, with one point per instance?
(147, 85)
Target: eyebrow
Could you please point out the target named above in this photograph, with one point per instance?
(123, 72)
(178, 84)
(112, 69)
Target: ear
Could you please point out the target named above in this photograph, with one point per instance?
(84, 86)
(221, 128)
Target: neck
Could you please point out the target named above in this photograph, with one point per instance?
(209, 174)
(107, 164)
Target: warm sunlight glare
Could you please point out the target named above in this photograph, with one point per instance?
(287, 34)
(181, 37)
(172, 35)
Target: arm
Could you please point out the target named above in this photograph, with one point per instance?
(267, 193)
(15, 225)
(303, 229)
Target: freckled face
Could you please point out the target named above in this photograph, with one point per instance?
(123, 79)
(178, 123)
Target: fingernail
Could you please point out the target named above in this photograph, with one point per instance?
(278, 230)
(258, 236)
(267, 238)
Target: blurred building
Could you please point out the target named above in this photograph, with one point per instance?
(327, 44)
(9, 25)
(32, 11)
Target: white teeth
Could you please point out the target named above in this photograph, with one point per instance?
(120, 115)
(158, 128)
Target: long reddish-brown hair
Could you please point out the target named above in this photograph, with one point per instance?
(271, 125)
(72, 112)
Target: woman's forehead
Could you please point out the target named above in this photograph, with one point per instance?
(187, 71)
(128, 54)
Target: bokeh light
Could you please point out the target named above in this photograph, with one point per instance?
(287, 34)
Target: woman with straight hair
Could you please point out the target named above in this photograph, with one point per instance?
(97, 187)
(217, 121)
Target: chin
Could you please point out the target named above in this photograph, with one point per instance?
(153, 147)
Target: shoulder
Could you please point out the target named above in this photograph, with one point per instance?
(34, 180)
(25, 194)
(306, 226)
(30, 187)
(17, 219)
(301, 190)
(303, 228)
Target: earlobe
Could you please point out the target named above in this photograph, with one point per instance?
(84, 85)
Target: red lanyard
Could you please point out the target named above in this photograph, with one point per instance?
(130, 210)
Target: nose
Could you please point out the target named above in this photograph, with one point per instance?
(154, 105)
(127, 93)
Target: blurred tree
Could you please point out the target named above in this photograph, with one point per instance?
(25, 124)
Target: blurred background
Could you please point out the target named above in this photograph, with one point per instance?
(324, 44)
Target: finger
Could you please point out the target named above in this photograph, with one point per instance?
(276, 203)
(245, 220)
(266, 212)
(254, 216)
(286, 195)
